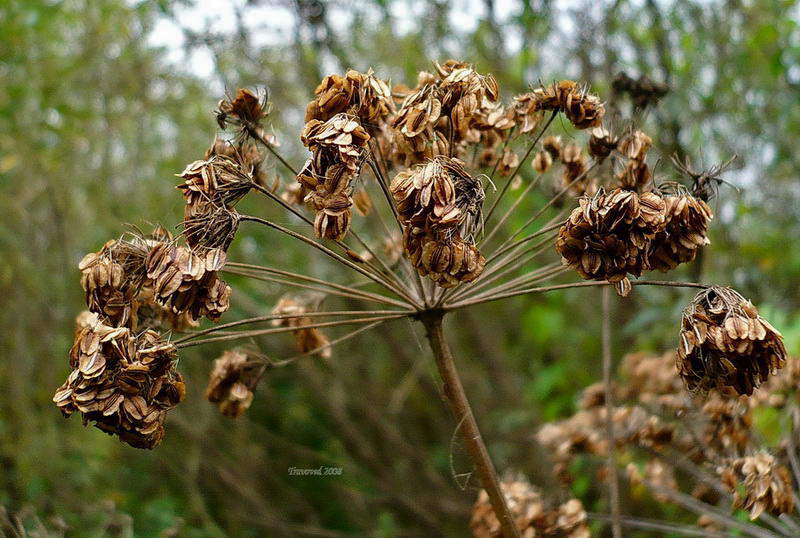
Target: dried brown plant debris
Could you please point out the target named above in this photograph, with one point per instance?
(686, 231)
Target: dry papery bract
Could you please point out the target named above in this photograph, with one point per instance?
(416, 164)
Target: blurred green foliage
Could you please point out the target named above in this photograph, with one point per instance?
(95, 118)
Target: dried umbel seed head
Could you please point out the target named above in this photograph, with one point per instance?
(209, 226)
(123, 383)
(449, 104)
(654, 382)
(232, 382)
(219, 180)
(185, 280)
(527, 113)
(508, 163)
(360, 94)
(446, 261)
(575, 173)
(759, 484)
(643, 91)
(542, 161)
(439, 194)
(341, 139)
(112, 276)
(581, 108)
(248, 107)
(686, 232)
(608, 236)
(531, 514)
(552, 145)
(657, 476)
(601, 143)
(309, 339)
(725, 343)
(333, 221)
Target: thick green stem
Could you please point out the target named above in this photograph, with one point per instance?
(459, 405)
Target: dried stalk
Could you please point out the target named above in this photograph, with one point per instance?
(613, 473)
(462, 411)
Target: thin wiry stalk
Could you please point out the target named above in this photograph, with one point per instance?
(519, 166)
(513, 262)
(260, 332)
(543, 273)
(272, 317)
(514, 258)
(544, 208)
(537, 275)
(372, 276)
(613, 478)
(348, 336)
(386, 270)
(537, 233)
(661, 526)
(511, 209)
(345, 288)
(352, 294)
(665, 283)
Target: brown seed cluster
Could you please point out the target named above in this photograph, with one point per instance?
(532, 515)
(245, 110)
(338, 151)
(359, 94)
(581, 108)
(725, 343)
(686, 231)
(767, 485)
(307, 339)
(186, 280)
(232, 381)
(439, 204)
(636, 173)
(111, 278)
(444, 111)
(608, 236)
(122, 382)
(574, 174)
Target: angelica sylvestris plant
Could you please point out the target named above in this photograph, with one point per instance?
(411, 193)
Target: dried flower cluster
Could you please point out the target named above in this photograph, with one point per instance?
(725, 343)
(122, 382)
(767, 484)
(232, 382)
(685, 232)
(440, 205)
(581, 108)
(609, 235)
(337, 146)
(531, 514)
